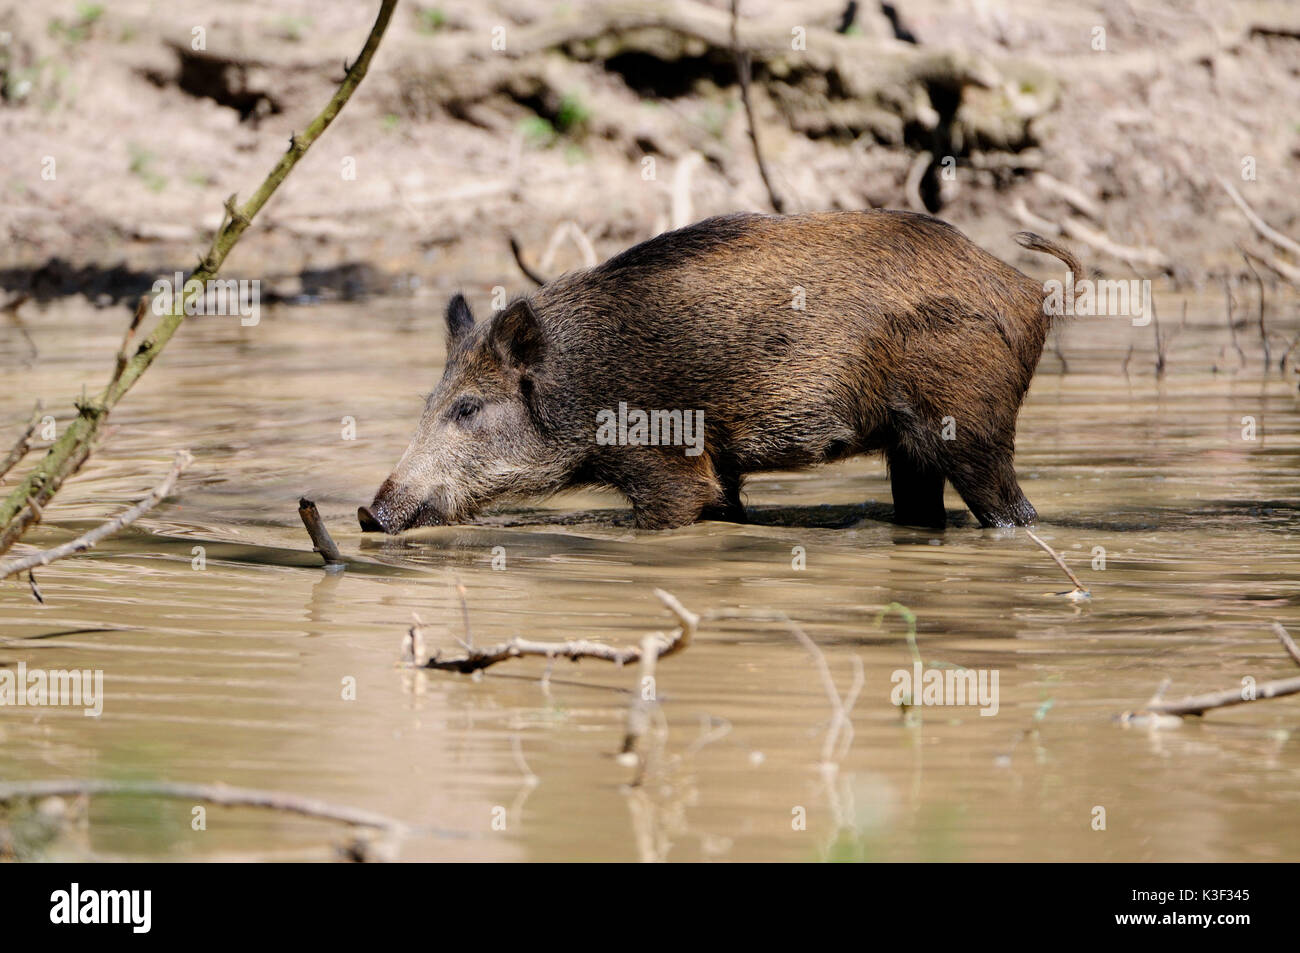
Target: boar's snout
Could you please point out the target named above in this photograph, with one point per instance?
(368, 522)
(396, 508)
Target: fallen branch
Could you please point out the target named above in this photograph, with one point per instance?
(1265, 230)
(86, 541)
(1200, 704)
(22, 444)
(321, 540)
(23, 506)
(1080, 591)
(219, 794)
(475, 659)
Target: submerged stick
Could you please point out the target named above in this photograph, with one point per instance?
(638, 713)
(22, 507)
(87, 540)
(474, 659)
(1200, 704)
(321, 540)
(1288, 643)
(219, 794)
(1080, 591)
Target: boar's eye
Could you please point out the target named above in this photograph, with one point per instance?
(466, 409)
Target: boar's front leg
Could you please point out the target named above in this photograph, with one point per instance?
(987, 483)
(917, 490)
(668, 490)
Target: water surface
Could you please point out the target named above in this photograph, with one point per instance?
(236, 672)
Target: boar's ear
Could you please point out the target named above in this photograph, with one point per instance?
(459, 318)
(517, 335)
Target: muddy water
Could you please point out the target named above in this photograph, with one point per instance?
(237, 672)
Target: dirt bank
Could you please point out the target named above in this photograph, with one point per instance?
(119, 140)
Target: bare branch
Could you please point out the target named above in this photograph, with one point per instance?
(475, 659)
(87, 540)
(210, 793)
(1200, 704)
(20, 508)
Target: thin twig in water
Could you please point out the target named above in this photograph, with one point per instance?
(1080, 591)
(84, 542)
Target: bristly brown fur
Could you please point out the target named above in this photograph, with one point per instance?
(802, 338)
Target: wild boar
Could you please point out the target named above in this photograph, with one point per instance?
(800, 339)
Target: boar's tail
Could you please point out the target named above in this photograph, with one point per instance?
(1039, 243)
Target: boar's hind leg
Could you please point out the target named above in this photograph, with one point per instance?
(988, 486)
(731, 509)
(918, 492)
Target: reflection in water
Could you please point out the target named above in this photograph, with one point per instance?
(262, 671)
